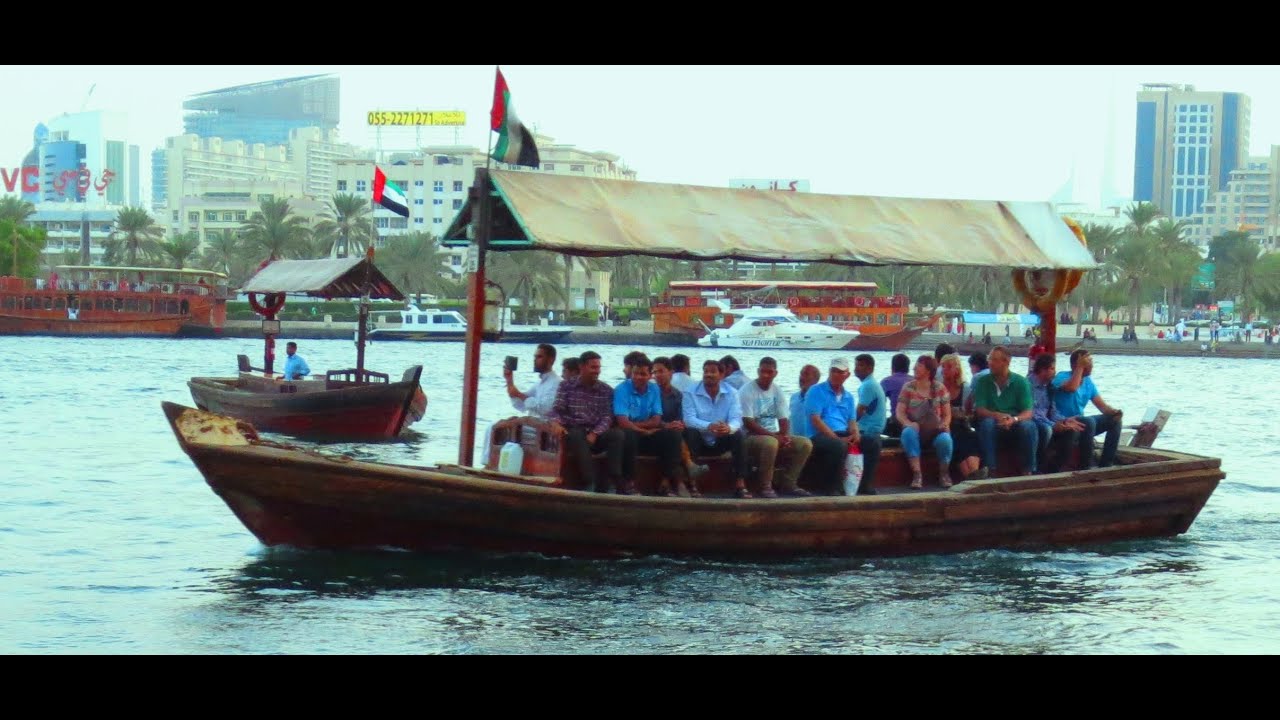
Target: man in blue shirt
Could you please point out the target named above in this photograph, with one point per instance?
(871, 420)
(892, 385)
(809, 376)
(637, 408)
(712, 421)
(1075, 389)
(1049, 422)
(295, 368)
(833, 423)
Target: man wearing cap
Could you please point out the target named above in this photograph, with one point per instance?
(833, 423)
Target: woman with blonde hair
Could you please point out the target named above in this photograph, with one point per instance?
(963, 437)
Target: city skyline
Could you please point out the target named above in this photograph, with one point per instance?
(967, 132)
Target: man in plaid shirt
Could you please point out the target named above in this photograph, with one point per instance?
(583, 415)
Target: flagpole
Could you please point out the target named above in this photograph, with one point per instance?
(482, 224)
(488, 151)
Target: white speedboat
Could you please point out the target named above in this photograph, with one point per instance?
(775, 327)
(431, 324)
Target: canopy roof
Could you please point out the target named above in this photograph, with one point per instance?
(155, 270)
(328, 278)
(591, 216)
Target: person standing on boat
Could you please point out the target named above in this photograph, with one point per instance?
(637, 408)
(892, 385)
(1075, 390)
(713, 421)
(733, 375)
(583, 415)
(295, 368)
(810, 375)
(764, 418)
(1002, 404)
(833, 423)
(538, 399)
(872, 415)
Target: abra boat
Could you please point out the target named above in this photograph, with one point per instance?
(293, 496)
(352, 403)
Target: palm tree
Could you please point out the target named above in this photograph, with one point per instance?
(532, 276)
(413, 263)
(1179, 259)
(16, 209)
(1103, 241)
(1141, 215)
(135, 230)
(352, 224)
(221, 252)
(20, 248)
(275, 230)
(1237, 259)
(1136, 259)
(180, 249)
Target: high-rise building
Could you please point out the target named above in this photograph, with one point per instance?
(86, 158)
(264, 112)
(1187, 145)
(1244, 206)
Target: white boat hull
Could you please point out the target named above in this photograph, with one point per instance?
(829, 342)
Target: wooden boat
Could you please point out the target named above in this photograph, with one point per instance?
(299, 497)
(891, 341)
(353, 403)
(436, 325)
(306, 499)
(102, 301)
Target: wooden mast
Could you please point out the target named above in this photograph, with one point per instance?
(362, 328)
(482, 224)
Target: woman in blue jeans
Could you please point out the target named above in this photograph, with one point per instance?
(924, 409)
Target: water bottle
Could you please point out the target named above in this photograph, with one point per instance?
(852, 470)
(511, 459)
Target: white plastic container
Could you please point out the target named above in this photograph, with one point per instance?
(511, 459)
(852, 470)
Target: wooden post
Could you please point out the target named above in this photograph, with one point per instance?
(1049, 329)
(482, 223)
(362, 335)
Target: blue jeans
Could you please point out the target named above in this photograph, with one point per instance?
(1026, 433)
(1095, 424)
(941, 445)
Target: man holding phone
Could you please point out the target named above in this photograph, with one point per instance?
(538, 399)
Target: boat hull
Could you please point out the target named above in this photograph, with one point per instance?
(520, 336)
(112, 327)
(889, 341)
(287, 496)
(368, 411)
(834, 342)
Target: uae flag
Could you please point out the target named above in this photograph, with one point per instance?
(515, 142)
(388, 194)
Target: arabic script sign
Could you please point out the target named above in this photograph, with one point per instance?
(78, 180)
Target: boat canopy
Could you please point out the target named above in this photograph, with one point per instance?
(599, 217)
(107, 269)
(327, 278)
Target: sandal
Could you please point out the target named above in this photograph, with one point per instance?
(664, 489)
(742, 493)
(768, 492)
(917, 482)
(945, 481)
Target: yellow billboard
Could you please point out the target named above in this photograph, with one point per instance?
(417, 117)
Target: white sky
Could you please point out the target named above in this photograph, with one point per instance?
(1002, 132)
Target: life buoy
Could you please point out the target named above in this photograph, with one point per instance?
(273, 303)
(859, 301)
(793, 301)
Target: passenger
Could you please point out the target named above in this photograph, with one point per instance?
(872, 415)
(673, 419)
(809, 376)
(583, 415)
(680, 378)
(964, 439)
(295, 368)
(892, 385)
(977, 368)
(833, 422)
(637, 408)
(1075, 389)
(569, 368)
(733, 375)
(939, 352)
(1055, 430)
(924, 409)
(713, 419)
(629, 362)
(1002, 404)
(537, 400)
(764, 419)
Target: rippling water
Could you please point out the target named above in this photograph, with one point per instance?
(112, 542)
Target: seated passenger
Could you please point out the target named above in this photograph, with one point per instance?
(637, 408)
(1002, 404)
(764, 418)
(583, 416)
(538, 399)
(713, 421)
(924, 410)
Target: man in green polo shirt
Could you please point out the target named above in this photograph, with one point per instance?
(1002, 402)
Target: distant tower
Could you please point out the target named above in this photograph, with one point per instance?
(1109, 193)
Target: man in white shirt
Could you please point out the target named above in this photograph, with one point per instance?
(538, 399)
(680, 378)
(768, 427)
